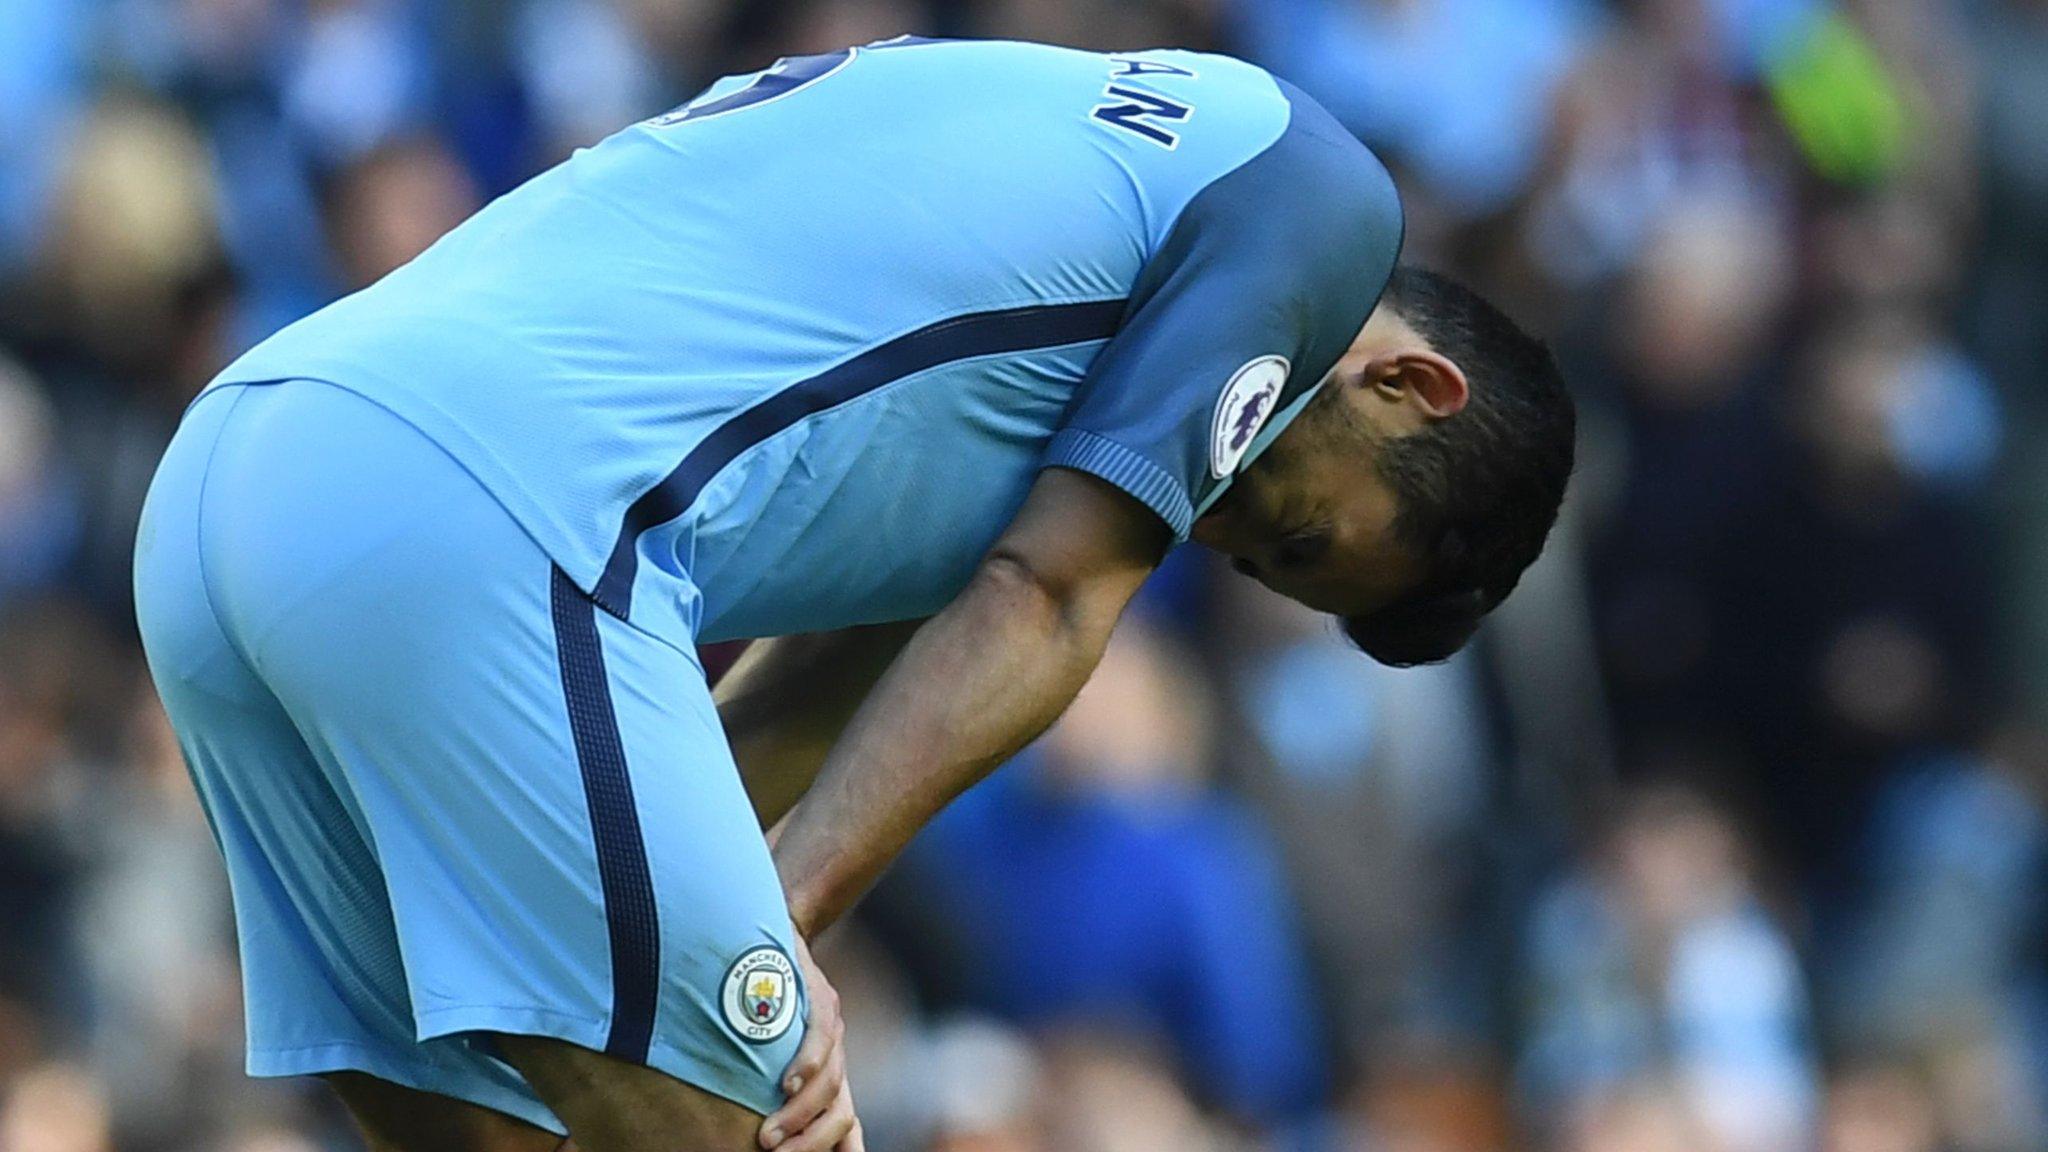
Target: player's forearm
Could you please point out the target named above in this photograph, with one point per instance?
(787, 701)
(776, 769)
(983, 679)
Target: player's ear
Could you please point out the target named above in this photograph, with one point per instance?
(1424, 377)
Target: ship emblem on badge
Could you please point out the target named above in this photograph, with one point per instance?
(759, 995)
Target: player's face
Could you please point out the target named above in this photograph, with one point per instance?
(1311, 518)
(1314, 522)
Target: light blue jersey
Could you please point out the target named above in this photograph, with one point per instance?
(420, 578)
(789, 357)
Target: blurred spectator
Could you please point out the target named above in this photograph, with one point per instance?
(1664, 1001)
(394, 200)
(1939, 963)
(157, 890)
(2008, 317)
(1114, 1097)
(1375, 780)
(123, 316)
(360, 77)
(38, 497)
(1458, 91)
(1107, 885)
(1880, 1109)
(1663, 113)
(988, 1087)
(54, 672)
(584, 69)
(42, 84)
(55, 1108)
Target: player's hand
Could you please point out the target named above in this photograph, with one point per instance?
(818, 1116)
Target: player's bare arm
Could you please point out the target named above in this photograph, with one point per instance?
(786, 701)
(987, 675)
(783, 705)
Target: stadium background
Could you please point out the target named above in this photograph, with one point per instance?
(1728, 835)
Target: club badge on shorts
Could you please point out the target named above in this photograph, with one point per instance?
(1245, 406)
(759, 995)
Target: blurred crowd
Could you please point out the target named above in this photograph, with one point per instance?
(1727, 836)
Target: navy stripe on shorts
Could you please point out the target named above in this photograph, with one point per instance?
(614, 822)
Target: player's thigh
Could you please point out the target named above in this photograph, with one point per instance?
(399, 1119)
(612, 1105)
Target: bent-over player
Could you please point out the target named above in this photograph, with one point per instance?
(967, 333)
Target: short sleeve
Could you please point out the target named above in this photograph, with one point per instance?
(1258, 288)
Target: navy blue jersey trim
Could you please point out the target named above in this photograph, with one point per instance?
(629, 911)
(1008, 331)
(784, 77)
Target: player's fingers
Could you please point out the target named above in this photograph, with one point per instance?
(823, 1029)
(856, 1140)
(828, 1130)
(810, 1057)
(802, 1110)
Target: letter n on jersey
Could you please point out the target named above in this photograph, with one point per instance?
(1135, 110)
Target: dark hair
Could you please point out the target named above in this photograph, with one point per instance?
(1478, 491)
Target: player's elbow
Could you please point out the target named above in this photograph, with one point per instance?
(1041, 597)
(1015, 579)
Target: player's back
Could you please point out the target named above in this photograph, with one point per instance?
(799, 346)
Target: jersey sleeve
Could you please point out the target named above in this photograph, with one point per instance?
(1258, 288)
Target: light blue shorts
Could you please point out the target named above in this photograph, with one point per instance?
(455, 798)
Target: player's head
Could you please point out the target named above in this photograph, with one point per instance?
(1415, 488)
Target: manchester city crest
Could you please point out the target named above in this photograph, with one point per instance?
(759, 995)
